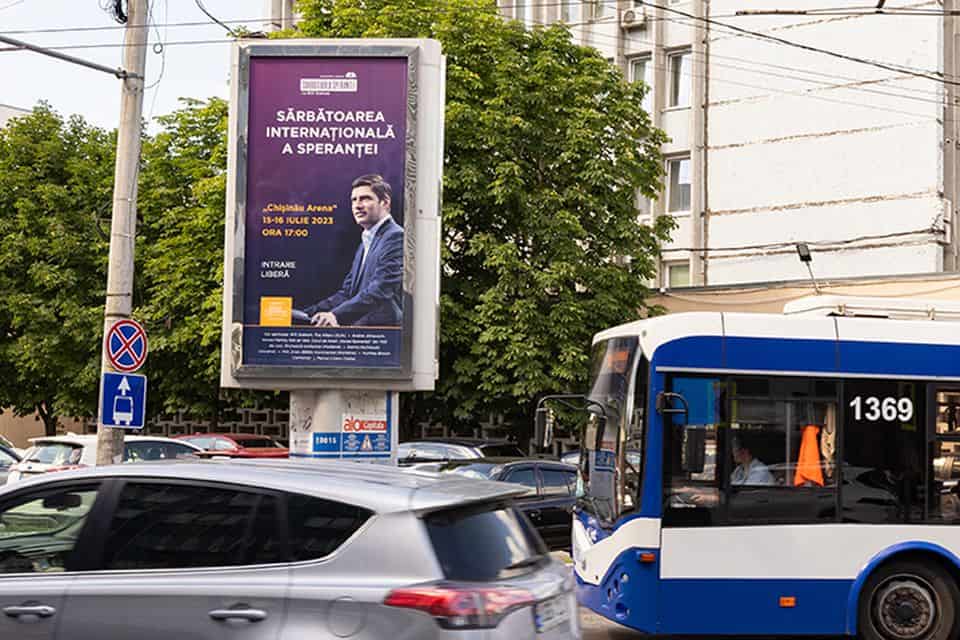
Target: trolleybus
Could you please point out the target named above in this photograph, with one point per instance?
(799, 473)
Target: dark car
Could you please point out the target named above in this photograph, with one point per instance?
(551, 490)
(442, 449)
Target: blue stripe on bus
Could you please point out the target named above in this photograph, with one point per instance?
(753, 607)
(883, 359)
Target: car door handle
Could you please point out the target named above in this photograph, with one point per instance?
(250, 615)
(39, 610)
(533, 513)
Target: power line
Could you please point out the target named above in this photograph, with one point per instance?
(866, 11)
(929, 75)
(754, 249)
(114, 45)
(203, 23)
(805, 93)
(214, 18)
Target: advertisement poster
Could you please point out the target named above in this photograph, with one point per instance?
(324, 249)
(360, 436)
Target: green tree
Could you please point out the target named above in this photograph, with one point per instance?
(546, 147)
(181, 202)
(56, 179)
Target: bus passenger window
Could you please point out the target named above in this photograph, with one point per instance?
(781, 446)
(883, 452)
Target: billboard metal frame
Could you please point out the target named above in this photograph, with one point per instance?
(423, 147)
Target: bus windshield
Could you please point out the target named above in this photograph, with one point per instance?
(601, 445)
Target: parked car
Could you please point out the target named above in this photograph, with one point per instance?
(441, 449)
(237, 445)
(286, 549)
(550, 490)
(60, 453)
(8, 458)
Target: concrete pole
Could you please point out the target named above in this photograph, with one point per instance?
(119, 303)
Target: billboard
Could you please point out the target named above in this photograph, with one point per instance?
(332, 239)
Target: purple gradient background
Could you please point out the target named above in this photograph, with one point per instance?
(324, 258)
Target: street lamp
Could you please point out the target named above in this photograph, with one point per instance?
(803, 251)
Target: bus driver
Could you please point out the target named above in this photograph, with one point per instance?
(749, 470)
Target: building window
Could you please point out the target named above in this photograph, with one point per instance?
(604, 8)
(570, 11)
(677, 274)
(641, 70)
(644, 207)
(678, 189)
(679, 64)
(521, 11)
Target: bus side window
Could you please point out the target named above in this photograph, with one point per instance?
(691, 481)
(781, 447)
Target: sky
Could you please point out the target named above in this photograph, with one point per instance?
(180, 70)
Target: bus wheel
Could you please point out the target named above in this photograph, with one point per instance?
(908, 601)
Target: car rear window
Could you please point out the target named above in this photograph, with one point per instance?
(318, 527)
(487, 542)
(501, 451)
(55, 453)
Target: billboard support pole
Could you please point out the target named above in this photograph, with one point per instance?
(119, 302)
(341, 424)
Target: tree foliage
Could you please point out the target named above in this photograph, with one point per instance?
(546, 147)
(180, 248)
(56, 179)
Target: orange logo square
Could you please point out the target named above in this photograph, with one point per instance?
(276, 312)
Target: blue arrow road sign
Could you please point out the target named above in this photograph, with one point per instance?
(123, 400)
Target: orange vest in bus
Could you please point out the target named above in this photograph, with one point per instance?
(808, 463)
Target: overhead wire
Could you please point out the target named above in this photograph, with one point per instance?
(929, 75)
(192, 23)
(161, 50)
(806, 93)
(685, 16)
(214, 18)
(743, 251)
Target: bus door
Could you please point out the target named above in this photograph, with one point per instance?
(944, 436)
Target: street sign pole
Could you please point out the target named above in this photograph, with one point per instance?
(123, 226)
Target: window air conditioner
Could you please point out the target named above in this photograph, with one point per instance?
(635, 18)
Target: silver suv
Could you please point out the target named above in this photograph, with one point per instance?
(284, 550)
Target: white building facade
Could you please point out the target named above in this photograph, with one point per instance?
(7, 112)
(777, 138)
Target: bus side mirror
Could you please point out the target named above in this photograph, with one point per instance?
(694, 449)
(543, 427)
(672, 403)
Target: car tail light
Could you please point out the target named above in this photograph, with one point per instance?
(461, 607)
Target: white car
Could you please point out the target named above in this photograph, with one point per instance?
(60, 453)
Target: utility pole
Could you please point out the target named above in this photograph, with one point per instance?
(123, 227)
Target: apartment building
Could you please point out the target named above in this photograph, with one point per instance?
(831, 128)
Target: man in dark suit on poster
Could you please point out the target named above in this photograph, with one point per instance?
(372, 291)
